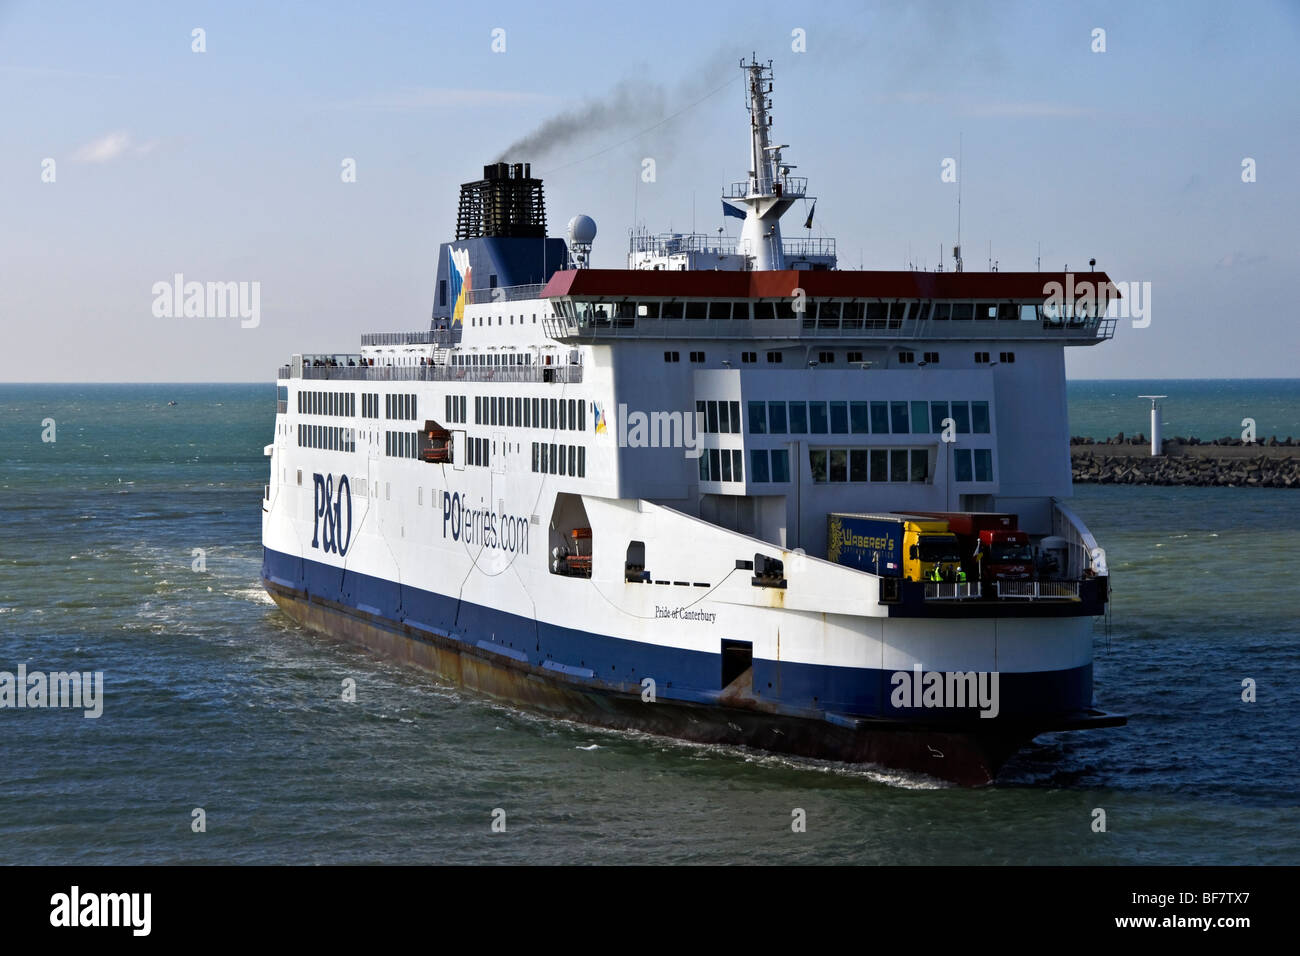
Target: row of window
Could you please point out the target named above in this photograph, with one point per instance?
(501, 319)
(774, 358)
(477, 359)
(769, 466)
(872, 314)
(329, 437)
(456, 409)
(400, 406)
(720, 417)
(550, 458)
(722, 464)
(864, 418)
(369, 404)
(890, 464)
(562, 414)
(402, 444)
(868, 464)
(327, 403)
(478, 451)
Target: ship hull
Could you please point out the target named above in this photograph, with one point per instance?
(968, 754)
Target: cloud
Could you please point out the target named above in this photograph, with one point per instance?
(105, 149)
(1240, 260)
(113, 146)
(429, 98)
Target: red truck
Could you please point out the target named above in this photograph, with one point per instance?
(991, 546)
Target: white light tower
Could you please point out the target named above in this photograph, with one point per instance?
(770, 190)
(1156, 442)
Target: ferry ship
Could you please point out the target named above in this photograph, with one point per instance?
(629, 497)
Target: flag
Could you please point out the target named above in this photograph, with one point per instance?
(599, 416)
(729, 210)
(808, 223)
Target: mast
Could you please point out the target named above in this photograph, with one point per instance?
(770, 190)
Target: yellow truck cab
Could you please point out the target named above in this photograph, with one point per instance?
(929, 545)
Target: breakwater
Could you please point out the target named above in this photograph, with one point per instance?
(1227, 462)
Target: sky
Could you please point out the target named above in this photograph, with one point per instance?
(127, 156)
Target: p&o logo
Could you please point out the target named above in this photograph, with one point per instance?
(328, 532)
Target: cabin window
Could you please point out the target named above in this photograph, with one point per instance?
(898, 417)
(780, 464)
(858, 464)
(938, 412)
(774, 358)
(983, 464)
(839, 418)
(1006, 358)
(961, 460)
(920, 464)
(879, 464)
(818, 421)
(758, 466)
(961, 415)
(859, 417)
(749, 357)
(798, 418)
(979, 417)
(776, 418)
(906, 358)
(920, 418)
(839, 464)
(982, 358)
(818, 460)
(898, 464)
(758, 421)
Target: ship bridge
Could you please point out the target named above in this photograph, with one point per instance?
(594, 305)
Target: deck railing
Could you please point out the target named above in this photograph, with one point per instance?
(559, 374)
(951, 590)
(1038, 590)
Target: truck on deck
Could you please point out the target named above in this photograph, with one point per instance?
(907, 546)
(992, 548)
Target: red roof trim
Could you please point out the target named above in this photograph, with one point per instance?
(635, 283)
